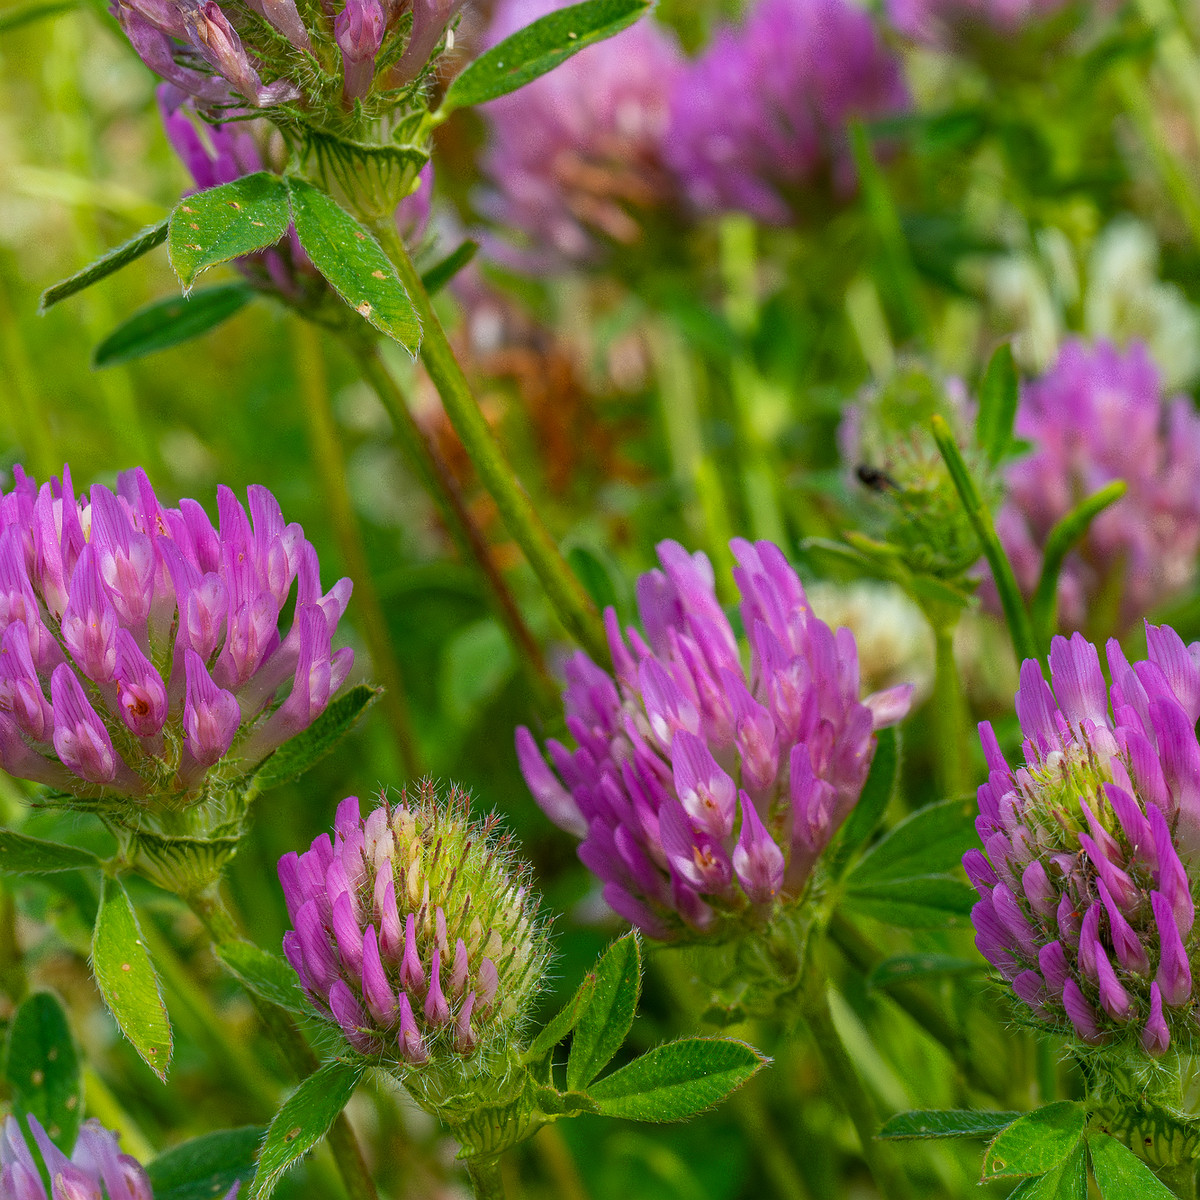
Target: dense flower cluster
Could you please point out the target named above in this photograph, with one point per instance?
(414, 929)
(761, 118)
(1099, 415)
(702, 792)
(217, 154)
(96, 1167)
(156, 636)
(261, 53)
(1085, 903)
(576, 156)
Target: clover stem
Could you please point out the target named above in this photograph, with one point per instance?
(486, 1178)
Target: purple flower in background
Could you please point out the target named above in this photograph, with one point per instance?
(155, 637)
(575, 157)
(702, 792)
(1097, 415)
(761, 117)
(1085, 902)
(96, 1167)
(414, 930)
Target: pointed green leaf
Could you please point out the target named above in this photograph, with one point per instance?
(118, 257)
(268, 977)
(1068, 1181)
(922, 902)
(1035, 1143)
(876, 794)
(563, 1022)
(999, 395)
(223, 223)
(605, 1022)
(295, 757)
(344, 251)
(169, 322)
(539, 48)
(945, 1123)
(23, 855)
(930, 841)
(127, 979)
(678, 1080)
(905, 967)
(41, 1066)
(305, 1118)
(442, 272)
(206, 1167)
(1120, 1174)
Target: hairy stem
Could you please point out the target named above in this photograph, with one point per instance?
(486, 1178)
(326, 448)
(564, 591)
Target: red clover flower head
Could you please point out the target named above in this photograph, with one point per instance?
(414, 930)
(705, 793)
(1084, 878)
(141, 653)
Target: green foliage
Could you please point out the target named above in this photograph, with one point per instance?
(127, 980)
(948, 1123)
(24, 855)
(41, 1068)
(120, 256)
(873, 801)
(605, 1021)
(268, 977)
(442, 272)
(999, 395)
(1120, 1174)
(205, 1168)
(1037, 1142)
(539, 48)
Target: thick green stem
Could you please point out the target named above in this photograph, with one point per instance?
(567, 595)
(326, 448)
(486, 1178)
(214, 914)
(949, 714)
(439, 482)
(843, 1079)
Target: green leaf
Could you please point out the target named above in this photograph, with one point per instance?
(223, 223)
(344, 251)
(604, 1023)
(127, 980)
(539, 48)
(1068, 1181)
(41, 1066)
(563, 1022)
(1120, 1174)
(923, 902)
(267, 976)
(295, 756)
(999, 394)
(905, 967)
(305, 1118)
(23, 855)
(1062, 539)
(678, 1080)
(37, 10)
(442, 272)
(876, 794)
(169, 322)
(595, 575)
(1036, 1142)
(118, 257)
(930, 841)
(206, 1167)
(945, 1123)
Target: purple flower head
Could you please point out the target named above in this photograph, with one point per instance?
(140, 647)
(1097, 415)
(414, 929)
(95, 1168)
(576, 157)
(760, 119)
(1085, 894)
(705, 793)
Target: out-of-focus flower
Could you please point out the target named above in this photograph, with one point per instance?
(96, 1167)
(157, 638)
(415, 930)
(261, 54)
(760, 120)
(575, 157)
(1085, 901)
(1096, 416)
(704, 794)
(220, 153)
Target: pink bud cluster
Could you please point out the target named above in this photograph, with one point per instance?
(703, 792)
(140, 648)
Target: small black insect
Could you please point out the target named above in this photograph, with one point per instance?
(874, 478)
